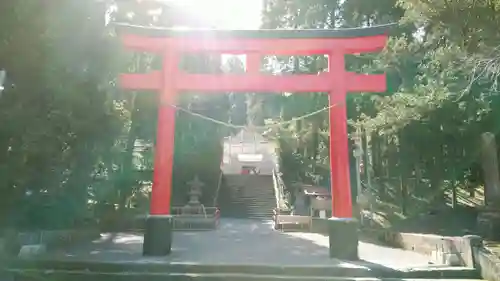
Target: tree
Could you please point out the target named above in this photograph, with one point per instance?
(441, 63)
(69, 136)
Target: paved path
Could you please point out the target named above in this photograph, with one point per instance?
(241, 242)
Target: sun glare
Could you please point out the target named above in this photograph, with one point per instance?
(224, 14)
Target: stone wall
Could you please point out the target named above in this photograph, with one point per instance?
(12, 242)
(469, 250)
(450, 250)
(487, 263)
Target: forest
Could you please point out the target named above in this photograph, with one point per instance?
(73, 142)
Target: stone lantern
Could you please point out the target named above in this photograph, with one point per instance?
(195, 191)
(194, 205)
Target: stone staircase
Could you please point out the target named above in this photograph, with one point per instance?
(248, 196)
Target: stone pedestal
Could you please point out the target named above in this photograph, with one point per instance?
(472, 244)
(158, 236)
(343, 233)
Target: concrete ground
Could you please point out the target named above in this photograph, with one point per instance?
(241, 242)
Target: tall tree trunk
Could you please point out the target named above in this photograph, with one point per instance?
(126, 179)
(366, 157)
(403, 173)
(436, 176)
(79, 181)
(315, 141)
(377, 159)
(489, 161)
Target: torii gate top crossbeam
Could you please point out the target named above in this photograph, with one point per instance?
(256, 33)
(255, 44)
(263, 41)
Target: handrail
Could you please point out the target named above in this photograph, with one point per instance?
(277, 195)
(279, 187)
(204, 210)
(216, 197)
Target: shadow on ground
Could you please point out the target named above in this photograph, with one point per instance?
(240, 242)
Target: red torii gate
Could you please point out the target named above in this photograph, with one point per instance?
(171, 44)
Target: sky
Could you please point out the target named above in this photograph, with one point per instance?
(225, 14)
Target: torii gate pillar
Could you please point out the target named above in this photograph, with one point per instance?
(337, 82)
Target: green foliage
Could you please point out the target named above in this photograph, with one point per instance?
(442, 67)
(69, 136)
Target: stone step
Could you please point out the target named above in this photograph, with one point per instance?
(243, 207)
(257, 202)
(258, 211)
(249, 213)
(257, 205)
(264, 218)
(246, 203)
(155, 270)
(247, 209)
(261, 208)
(258, 192)
(255, 210)
(253, 199)
(265, 209)
(84, 276)
(245, 216)
(258, 197)
(255, 190)
(263, 197)
(269, 190)
(250, 197)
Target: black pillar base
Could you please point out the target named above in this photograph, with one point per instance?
(158, 236)
(343, 233)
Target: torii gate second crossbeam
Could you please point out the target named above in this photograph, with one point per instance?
(255, 44)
